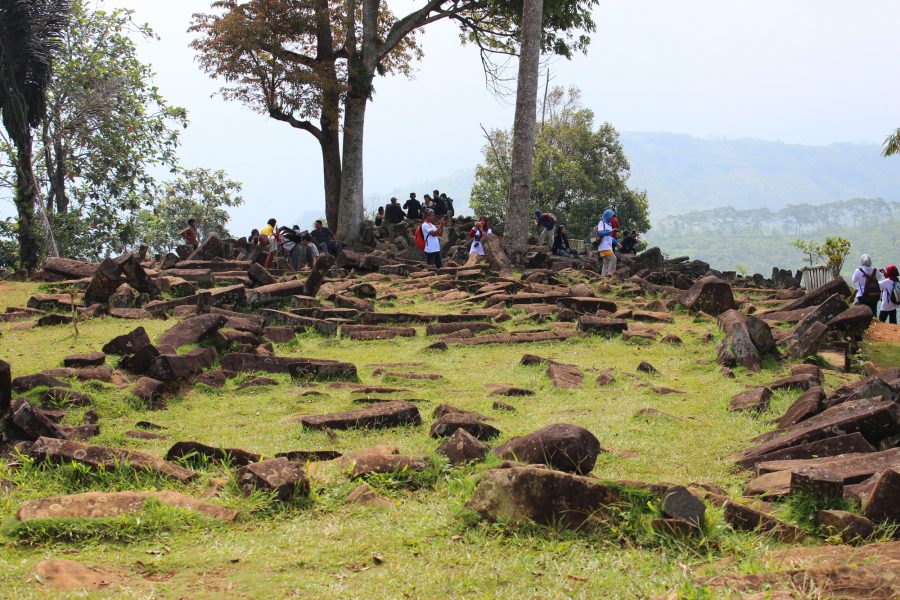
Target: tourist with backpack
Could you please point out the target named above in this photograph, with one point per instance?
(430, 236)
(865, 282)
(606, 242)
(546, 222)
(890, 294)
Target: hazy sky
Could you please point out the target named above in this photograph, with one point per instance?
(799, 71)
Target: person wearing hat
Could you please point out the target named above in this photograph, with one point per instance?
(890, 290)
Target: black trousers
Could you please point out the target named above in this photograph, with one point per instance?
(888, 316)
(434, 258)
(873, 304)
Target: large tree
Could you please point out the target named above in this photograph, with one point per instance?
(200, 194)
(267, 66)
(108, 138)
(579, 169)
(30, 32)
(518, 203)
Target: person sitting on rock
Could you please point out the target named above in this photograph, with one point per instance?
(324, 239)
(393, 214)
(890, 294)
(309, 254)
(629, 241)
(190, 234)
(413, 207)
(561, 243)
(379, 217)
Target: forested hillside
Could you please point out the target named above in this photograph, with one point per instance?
(759, 239)
(683, 173)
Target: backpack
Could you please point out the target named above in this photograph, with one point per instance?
(894, 294)
(420, 239)
(871, 291)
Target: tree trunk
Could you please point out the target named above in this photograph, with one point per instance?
(26, 194)
(330, 143)
(351, 206)
(518, 202)
(58, 177)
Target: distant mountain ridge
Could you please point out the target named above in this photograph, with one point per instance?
(682, 173)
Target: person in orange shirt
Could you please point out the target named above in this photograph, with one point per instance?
(190, 234)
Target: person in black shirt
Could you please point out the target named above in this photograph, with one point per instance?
(413, 207)
(324, 239)
(379, 217)
(393, 214)
(629, 242)
(561, 243)
(439, 206)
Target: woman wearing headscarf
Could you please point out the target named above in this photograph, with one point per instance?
(865, 282)
(890, 290)
(605, 247)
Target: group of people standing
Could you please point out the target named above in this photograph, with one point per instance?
(413, 209)
(877, 286)
(605, 237)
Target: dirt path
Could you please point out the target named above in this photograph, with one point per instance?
(882, 332)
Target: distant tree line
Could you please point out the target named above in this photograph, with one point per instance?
(759, 239)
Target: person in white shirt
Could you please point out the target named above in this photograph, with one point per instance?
(432, 234)
(865, 282)
(605, 248)
(887, 285)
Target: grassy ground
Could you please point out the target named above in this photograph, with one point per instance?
(427, 544)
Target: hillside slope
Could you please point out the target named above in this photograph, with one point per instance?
(683, 173)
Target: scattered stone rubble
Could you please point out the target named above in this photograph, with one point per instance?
(226, 308)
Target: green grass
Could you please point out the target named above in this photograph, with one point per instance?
(428, 544)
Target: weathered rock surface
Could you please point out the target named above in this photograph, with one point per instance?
(851, 527)
(97, 505)
(565, 376)
(385, 414)
(461, 448)
(100, 457)
(746, 518)
(882, 503)
(561, 446)
(230, 456)
(278, 476)
(128, 343)
(451, 422)
(756, 399)
(710, 295)
(189, 331)
(90, 359)
(544, 496)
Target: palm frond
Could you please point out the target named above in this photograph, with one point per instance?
(30, 33)
(892, 144)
